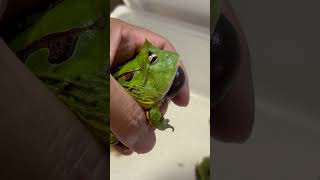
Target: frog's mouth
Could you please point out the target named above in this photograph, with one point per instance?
(177, 83)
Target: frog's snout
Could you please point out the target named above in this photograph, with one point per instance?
(177, 83)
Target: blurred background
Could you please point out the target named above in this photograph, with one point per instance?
(284, 41)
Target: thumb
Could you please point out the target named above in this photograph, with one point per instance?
(128, 121)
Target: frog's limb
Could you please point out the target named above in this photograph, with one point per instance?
(157, 120)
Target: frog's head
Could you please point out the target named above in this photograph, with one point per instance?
(149, 76)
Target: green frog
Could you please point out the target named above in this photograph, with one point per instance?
(151, 78)
(66, 48)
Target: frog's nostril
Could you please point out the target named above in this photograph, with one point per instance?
(177, 83)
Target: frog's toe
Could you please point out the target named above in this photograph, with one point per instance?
(167, 125)
(171, 127)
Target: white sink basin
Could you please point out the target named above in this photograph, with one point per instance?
(176, 153)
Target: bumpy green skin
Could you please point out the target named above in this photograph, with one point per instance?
(203, 169)
(81, 81)
(148, 82)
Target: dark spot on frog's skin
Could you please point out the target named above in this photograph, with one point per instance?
(177, 83)
(61, 45)
(128, 76)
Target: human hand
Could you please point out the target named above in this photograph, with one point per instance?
(127, 119)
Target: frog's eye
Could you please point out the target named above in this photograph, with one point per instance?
(152, 57)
